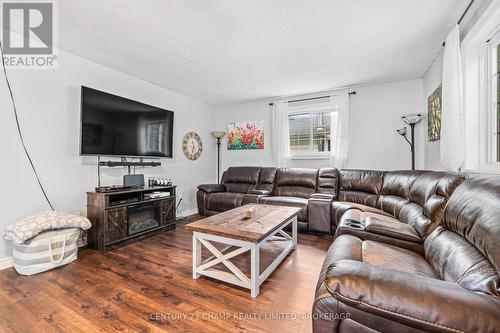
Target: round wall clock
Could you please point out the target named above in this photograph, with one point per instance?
(192, 146)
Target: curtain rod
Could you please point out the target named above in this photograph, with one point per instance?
(313, 98)
(463, 15)
(465, 12)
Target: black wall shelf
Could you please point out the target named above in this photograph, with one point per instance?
(123, 163)
(129, 164)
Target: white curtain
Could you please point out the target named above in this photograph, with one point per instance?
(281, 141)
(452, 124)
(338, 153)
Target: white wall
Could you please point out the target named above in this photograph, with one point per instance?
(48, 102)
(375, 116)
(431, 81)
(255, 111)
(374, 119)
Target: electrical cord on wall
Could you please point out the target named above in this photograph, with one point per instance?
(20, 132)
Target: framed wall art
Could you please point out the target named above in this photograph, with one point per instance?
(434, 115)
(245, 135)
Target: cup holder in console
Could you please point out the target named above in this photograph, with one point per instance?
(355, 224)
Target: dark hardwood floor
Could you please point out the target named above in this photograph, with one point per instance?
(147, 287)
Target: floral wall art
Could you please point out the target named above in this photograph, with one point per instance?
(434, 115)
(245, 135)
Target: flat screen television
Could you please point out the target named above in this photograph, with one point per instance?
(115, 126)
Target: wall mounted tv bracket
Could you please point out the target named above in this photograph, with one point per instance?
(122, 163)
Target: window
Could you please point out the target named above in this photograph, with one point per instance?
(310, 128)
(480, 63)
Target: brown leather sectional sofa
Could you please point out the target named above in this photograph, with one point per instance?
(310, 189)
(414, 251)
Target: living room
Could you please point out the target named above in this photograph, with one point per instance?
(292, 166)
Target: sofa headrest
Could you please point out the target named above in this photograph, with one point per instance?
(473, 211)
(297, 177)
(434, 183)
(328, 173)
(242, 175)
(399, 182)
(369, 181)
(267, 175)
(328, 181)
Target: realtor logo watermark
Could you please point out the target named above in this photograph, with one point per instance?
(28, 35)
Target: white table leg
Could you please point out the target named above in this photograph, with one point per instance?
(255, 270)
(235, 276)
(196, 255)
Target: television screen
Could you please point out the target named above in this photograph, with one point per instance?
(117, 126)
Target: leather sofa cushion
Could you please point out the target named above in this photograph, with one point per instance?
(380, 225)
(473, 212)
(347, 247)
(398, 183)
(360, 186)
(395, 258)
(245, 174)
(368, 181)
(340, 207)
(295, 182)
(223, 201)
(253, 196)
(427, 200)
(259, 192)
(391, 204)
(458, 261)
(357, 197)
(328, 181)
(267, 178)
(465, 248)
(288, 201)
(395, 190)
(241, 179)
(239, 187)
(297, 177)
(434, 183)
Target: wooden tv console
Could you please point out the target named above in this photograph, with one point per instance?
(121, 217)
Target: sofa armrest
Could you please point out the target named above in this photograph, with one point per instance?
(212, 188)
(260, 192)
(325, 196)
(421, 302)
(319, 213)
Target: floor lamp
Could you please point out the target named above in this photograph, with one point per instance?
(218, 135)
(412, 120)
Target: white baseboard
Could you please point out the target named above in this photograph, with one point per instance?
(188, 212)
(6, 263)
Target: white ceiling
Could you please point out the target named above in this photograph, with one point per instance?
(228, 51)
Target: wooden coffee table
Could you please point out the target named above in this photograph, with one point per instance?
(241, 235)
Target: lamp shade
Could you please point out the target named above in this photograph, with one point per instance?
(218, 134)
(412, 118)
(402, 131)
